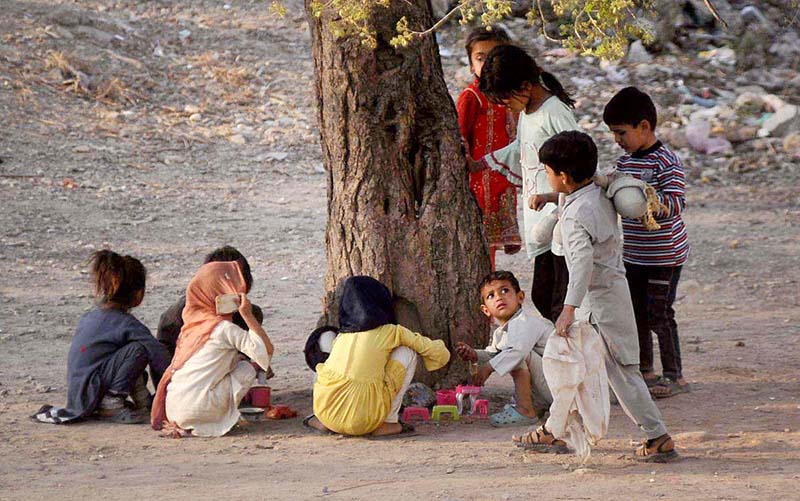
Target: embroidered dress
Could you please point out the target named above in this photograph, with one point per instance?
(487, 127)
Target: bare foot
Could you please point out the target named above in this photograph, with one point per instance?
(387, 429)
(317, 425)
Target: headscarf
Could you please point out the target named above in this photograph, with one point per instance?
(364, 305)
(199, 319)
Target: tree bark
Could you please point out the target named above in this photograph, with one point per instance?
(399, 206)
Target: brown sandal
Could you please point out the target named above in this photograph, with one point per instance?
(667, 387)
(657, 450)
(540, 440)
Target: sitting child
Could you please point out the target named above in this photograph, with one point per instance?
(516, 349)
(591, 240)
(202, 388)
(360, 387)
(171, 322)
(111, 349)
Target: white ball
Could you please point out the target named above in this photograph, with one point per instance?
(630, 202)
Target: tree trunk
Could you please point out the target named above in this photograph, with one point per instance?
(399, 206)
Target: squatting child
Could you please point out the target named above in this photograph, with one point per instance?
(653, 258)
(512, 78)
(485, 127)
(360, 386)
(110, 350)
(516, 348)
(597, 284)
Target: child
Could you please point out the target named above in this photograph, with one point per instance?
(206, 381)
(516, 348)
(591, 240)
(512, 78)
(171, 322)
(360, 387)
(653, 258)
(485, 127)
(111, 348)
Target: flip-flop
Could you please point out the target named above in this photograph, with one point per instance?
(510, 416)
(407, 431)
(315, 430)
(652, 381)
(669, 388)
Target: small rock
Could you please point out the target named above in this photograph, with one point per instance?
(191, 109)
(237, 139)
(693, 436)
(791, 143)
(638, 54)
(740, 344)
(195, 117)
(184, 34)
(450, 470)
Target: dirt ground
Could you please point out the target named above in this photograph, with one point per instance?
(208, 137)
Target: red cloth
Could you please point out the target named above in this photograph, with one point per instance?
(487, 127)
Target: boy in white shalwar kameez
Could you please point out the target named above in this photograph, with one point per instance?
(592, 245)
(516, 348)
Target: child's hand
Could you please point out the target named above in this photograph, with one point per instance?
(474, 165)
(466, 352)
(537, 202)
(565, 320)
(484, 371)
(245, 307)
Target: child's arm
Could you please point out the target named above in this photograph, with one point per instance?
(433, 352)
(246, 311)
(670, 186)
(466, 352)
(579, 247)
(157, 354)
(537, 202)
(468, 107)
(506, 161)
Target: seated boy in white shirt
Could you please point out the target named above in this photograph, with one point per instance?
(516, 349)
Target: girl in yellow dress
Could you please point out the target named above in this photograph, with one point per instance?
(360, 387)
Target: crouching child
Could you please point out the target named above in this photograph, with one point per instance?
(516, 349)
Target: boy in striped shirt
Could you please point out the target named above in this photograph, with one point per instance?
(653, 258)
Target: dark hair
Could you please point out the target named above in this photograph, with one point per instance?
(572, 152)
(229, 253)
(484, 34)
(629, 107)
(508, 67)
(117, 278)
(499, 275)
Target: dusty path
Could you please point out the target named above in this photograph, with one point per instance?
(154, 179)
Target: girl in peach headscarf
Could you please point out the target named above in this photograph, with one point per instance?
(202, 388)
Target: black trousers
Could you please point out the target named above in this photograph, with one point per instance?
(653, 290)
(120, 372)
(550, 279)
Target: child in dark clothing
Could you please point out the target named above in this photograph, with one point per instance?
(653, 258)
(111, 349)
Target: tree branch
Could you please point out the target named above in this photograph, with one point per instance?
(715, 13)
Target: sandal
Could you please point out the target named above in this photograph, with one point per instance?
(668, 387)
(510, 416)
(540, 440)
(307, 424)
(126, 415)
(652, 381)
(657, 450)
(407, 431)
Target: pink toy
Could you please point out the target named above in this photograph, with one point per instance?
(468, 390)
(445, 397)
(418, 412)
(259, 396)
(480, 408)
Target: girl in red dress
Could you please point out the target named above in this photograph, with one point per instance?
(487, 127)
